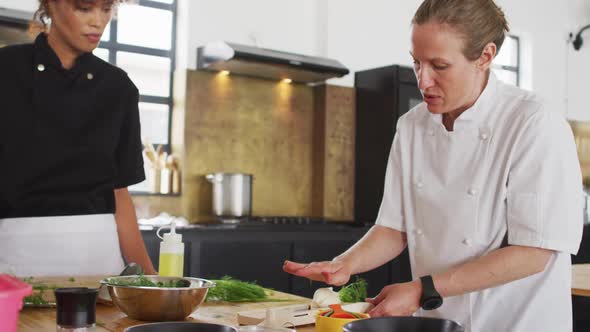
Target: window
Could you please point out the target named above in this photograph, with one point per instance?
(142, 41)
(506, 65)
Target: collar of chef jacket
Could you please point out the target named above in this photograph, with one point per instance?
(475, 115)
(44, 55)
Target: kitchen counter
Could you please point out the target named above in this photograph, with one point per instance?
(581, 279)
(276, 226)
(109, 318)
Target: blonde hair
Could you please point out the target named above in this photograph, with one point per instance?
(479, 22)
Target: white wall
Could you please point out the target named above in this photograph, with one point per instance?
(577, 64)
(545, 26)
(279, 24)
(375, 33)
(27, 5)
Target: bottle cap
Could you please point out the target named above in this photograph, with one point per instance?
(76, 306)
(172, 236)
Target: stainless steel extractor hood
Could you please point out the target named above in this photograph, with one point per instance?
(265, 63)
(14, 27)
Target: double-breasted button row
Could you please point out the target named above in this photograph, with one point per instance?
(41, 68)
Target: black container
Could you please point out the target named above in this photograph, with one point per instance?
(76, 307)
(403, 324)
(180, 327)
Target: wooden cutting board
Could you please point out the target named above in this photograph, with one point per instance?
(223, 313)
(51, 283)
(293, 315)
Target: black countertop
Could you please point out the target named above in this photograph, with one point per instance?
(266, 226)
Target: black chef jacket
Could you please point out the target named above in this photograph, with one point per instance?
(68, 138)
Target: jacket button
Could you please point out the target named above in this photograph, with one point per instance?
(467, 242)
(419, 184)
(419, 231)
(472, 192)
(89, 76)
(484, 136)
(41, 67)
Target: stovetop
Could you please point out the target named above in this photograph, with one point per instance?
(278, 223)
(274, 222)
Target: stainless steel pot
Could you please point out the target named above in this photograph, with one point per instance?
(232, 194)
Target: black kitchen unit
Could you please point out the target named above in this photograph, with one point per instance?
(254, 250)
(382, 96)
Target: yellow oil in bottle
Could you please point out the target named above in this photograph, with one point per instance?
(171, 265)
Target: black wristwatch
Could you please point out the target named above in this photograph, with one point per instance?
(430, 299)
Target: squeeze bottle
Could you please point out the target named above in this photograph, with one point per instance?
(171, 253)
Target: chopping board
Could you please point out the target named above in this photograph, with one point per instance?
(43, 286)
(293, 315)
(224, 313)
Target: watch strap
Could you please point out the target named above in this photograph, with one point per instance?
(430, 299)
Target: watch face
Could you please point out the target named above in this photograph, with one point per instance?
(432, 303)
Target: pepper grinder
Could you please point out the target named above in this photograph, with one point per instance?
(76, 309)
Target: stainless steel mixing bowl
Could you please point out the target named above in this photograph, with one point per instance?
(157, 303)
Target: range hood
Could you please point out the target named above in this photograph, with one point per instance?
(265, 63)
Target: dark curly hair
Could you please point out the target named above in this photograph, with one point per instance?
(42, 16)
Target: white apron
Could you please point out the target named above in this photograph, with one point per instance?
(86, 245)
(509, 167)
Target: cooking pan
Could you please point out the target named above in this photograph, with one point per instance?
(403, 324)
(180, 327)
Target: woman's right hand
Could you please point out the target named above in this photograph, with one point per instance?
(331, 272)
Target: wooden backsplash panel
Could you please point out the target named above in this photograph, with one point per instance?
(262, 127)
(297, 141)
(339, 150)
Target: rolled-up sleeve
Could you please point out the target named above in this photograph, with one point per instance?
(391, 210)
(544, 190)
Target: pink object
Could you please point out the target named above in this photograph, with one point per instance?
(12, 292)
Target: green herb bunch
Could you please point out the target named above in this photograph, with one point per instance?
(354, 292)
(39, 289)
(233, 290)
(142, 281)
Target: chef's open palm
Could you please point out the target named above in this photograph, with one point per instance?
(396, 300)
(331, 272)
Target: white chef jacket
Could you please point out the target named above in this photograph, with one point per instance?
(510, 166)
